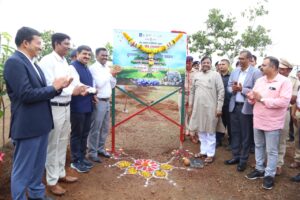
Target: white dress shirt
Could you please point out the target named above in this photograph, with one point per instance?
(239, 97)
(54, 66)
(103, 79)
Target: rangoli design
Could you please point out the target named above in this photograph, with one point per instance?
(150, 169)
(147, 168)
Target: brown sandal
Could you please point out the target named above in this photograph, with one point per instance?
(209, 160)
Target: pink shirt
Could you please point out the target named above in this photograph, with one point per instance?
(270, 114)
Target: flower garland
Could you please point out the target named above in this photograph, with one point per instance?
(152, 51)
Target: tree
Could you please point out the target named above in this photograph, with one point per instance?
(47, 44)
(221, 37)
(5, 51)
(109, 49)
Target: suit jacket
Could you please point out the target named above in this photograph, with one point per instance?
(31, 114)
(252, 75)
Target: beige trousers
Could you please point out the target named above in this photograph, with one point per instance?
(282, 140)
(57, 144)
(296, 136)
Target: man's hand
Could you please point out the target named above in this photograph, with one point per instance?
(236, 87)
(80, 90)
(62, 82)
(218, 114)
(250, 95)
(114, 74)
(95, 99)
(293, 99)
(257, 96)
(240, 87)
(114, 70)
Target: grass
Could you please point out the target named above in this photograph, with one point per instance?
(131, 73)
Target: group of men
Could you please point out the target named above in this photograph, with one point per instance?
(253, 104)
(49, 101)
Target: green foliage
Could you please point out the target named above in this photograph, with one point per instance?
(129, 72)
(109, 49)
(5, 51)
(47, 45)
(222, 38)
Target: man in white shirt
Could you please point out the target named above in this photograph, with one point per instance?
(55, 65)
(105, 80)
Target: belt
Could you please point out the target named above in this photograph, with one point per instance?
(239, 103)
(60, 104)
(103, 99)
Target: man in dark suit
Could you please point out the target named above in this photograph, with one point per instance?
(31, 117)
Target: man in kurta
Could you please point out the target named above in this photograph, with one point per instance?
(206, 101)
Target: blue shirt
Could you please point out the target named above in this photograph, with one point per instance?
(82, 104)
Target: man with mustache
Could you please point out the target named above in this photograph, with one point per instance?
(31, 116)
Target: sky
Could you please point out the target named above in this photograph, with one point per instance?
(92, 22)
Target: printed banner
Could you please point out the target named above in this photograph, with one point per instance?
(150, 58)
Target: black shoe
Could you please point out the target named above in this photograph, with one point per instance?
(79, 167)
(95, 159)
(87, 163)
(241, 167)
(104, 154)
(268, 182)
(296, 178)
(255, 175)
(233, 161)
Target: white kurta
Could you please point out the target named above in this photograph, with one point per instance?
(206, 99)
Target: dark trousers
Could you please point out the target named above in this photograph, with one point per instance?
(241, 130)
(226, 123)
(80, 127)
(28, 167)
(291, 129)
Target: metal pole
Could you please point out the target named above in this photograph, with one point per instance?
(182, 115)
(113, 118)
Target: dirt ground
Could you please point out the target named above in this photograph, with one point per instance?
(150, 136)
